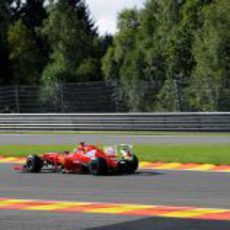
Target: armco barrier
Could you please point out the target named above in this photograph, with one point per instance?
(216, 121)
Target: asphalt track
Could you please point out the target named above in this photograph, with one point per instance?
(49, 139)
(206, 190)
(209, 190)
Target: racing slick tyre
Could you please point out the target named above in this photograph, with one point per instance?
(122, 167)
(132, 165)
(98, 167)
(34, 164)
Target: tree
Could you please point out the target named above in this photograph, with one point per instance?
(138, 54)
(110, 66)
(211, 49)
(152, 39)
(28, 51)
(18, 34)
(32, 13)
(6, 14)
(25, 55)
(185, 20)
(122, 59)
(74, 42)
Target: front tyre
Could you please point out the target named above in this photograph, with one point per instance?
(98, 167)
(34, 164)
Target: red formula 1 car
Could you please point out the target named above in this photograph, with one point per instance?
(86, 159)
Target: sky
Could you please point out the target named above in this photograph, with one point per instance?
(104, 12)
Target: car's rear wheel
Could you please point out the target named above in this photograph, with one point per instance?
(34, 164)
(98, 167)
(122, 167)
(132, 165)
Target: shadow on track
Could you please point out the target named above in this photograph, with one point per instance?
(148, 173)
(168, 224)
(139, 173)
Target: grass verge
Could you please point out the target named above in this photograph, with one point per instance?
(200, 153)
(213, 154)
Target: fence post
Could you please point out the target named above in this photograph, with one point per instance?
(17, 99)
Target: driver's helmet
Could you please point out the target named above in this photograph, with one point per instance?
(110, 151)
(82, 146)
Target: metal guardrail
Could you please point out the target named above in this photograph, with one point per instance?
(216, 121)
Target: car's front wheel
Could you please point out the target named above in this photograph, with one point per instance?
(34, 164)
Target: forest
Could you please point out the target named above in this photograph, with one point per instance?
(170, 55)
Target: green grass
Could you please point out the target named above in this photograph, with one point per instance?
(213, 154)
(24, 150)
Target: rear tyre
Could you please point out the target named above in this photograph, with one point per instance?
(122, 167)
(34, 164)
(132, 165)
(98, 167)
